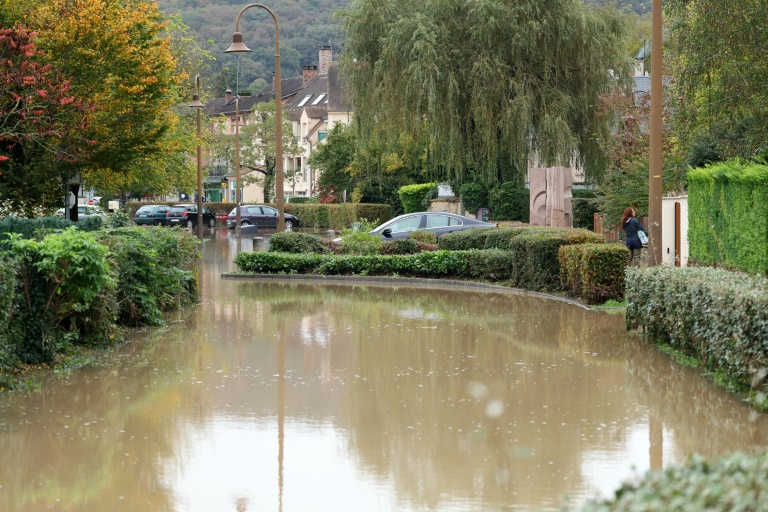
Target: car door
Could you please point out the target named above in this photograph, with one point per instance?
(402, 227)
(441, 224)
(268, 217)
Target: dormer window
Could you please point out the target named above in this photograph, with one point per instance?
(318, 100)
(306, 99)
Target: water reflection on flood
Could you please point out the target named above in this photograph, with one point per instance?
(293, 397)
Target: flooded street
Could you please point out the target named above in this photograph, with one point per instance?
(320, 396)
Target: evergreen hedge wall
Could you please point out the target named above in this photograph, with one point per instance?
(510, 202)
(415, 197)
(728, 215)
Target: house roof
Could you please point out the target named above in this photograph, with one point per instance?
(338, 99)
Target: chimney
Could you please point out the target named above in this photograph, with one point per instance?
(229, 96)
(326, 56)
(308, 72)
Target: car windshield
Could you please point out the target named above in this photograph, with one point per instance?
(178, 209)
(406, 224)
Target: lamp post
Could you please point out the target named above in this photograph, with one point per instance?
(655, 168)
(237, 46)
(198, 105)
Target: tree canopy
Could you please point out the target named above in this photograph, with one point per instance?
(484, 84)
(718, 49)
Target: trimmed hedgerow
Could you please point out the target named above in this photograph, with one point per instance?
(400, 246)
(511, 202)
(415, 197)
(465, 240)
(593, 272)
(728, 215)
(277, 262)
(735, 482)
(490, 265)
(424, 236)
(297, 243)
(716, 315)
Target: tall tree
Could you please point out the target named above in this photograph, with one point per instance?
(719, 49)
(484, 83)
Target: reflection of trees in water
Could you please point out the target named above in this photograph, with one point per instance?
(702, 418)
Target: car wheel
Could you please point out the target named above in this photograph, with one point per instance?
(190, 224)
(212, 223)
(245, 223)
(288, 224)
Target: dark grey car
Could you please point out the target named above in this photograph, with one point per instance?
(185, 215)
(438, 223)
(152, 214)
(259, 215)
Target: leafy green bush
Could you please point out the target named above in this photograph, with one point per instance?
(735, 482)
(535, 255)
(593, 272)
(474, 238)
(65, 282)
(416, 197)
(474, 195)
(277, 262)
(716, 315)
(728, 215)
(338, 216)
(359, 240)
(156, 271)
(400, 246)
(302, 200)
(490, 265)
(119, 219)
(584, 210)
(28, 227)
(424, 236)
(297, 243)
(509, 202)
(8, 358)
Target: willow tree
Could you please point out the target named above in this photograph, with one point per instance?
(484, 84)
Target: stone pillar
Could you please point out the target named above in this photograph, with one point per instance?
(551, 196)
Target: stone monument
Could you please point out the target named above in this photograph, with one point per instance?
(551, 196)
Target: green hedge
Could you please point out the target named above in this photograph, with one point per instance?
(415, 197)
(28, 227)
(296, 243)
(716, 315)
(593, 272)
(735, 482)
(728, 215)
(474, 196)
(584, 210)
(510, 202)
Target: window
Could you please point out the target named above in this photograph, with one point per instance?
(407, 224)
(268, 210)
(321, 136)
(438, 221)
(318, 100)
(305, 100)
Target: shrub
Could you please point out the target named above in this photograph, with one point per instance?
(728, 215)
(359, 240)
(424, 236)
(156, 271)
(584, 210)
(535, 255)
(718, 316)
(28, 227)
(735, 482)
(8, 359)
(338, 216)
(302, 200)
(297, 243)
(400, 246)
(64, 285)
(474, 238)
(474, 196)
(490, 265)
(416, 197)
(593, 272)
(277, 263)
(510, 202)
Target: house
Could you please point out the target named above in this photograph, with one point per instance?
(314, 102)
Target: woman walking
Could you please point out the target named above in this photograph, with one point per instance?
(632, 228)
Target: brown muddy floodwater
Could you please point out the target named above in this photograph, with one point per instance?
(286, 397)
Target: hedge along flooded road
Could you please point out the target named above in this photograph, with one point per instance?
(284, 396)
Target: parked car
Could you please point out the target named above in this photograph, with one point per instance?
(259, 215)
(152, 214)
(85, 210)
(186, 215)
(439, 223)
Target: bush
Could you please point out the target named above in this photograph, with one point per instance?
(718, 316)
(63, 295)
(359, 240)
(593, 272)
(338, 216)
(400, 246)
(509, 202)
(732, 483)
(277, 262)
(535, 255)
(156, 271)
(302, 200)
(474, 196)
(28, 227)
(728, 215)
(424, 236)
(474, 238)
(8, 359)
(416, 197)
(297, 243)
(490, 265)
(584, 210)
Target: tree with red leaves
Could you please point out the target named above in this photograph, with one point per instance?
(41, 121)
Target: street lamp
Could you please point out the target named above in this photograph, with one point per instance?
(198, 105)
(238, 46)
(655, 167)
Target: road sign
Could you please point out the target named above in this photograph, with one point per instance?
(90, 202)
